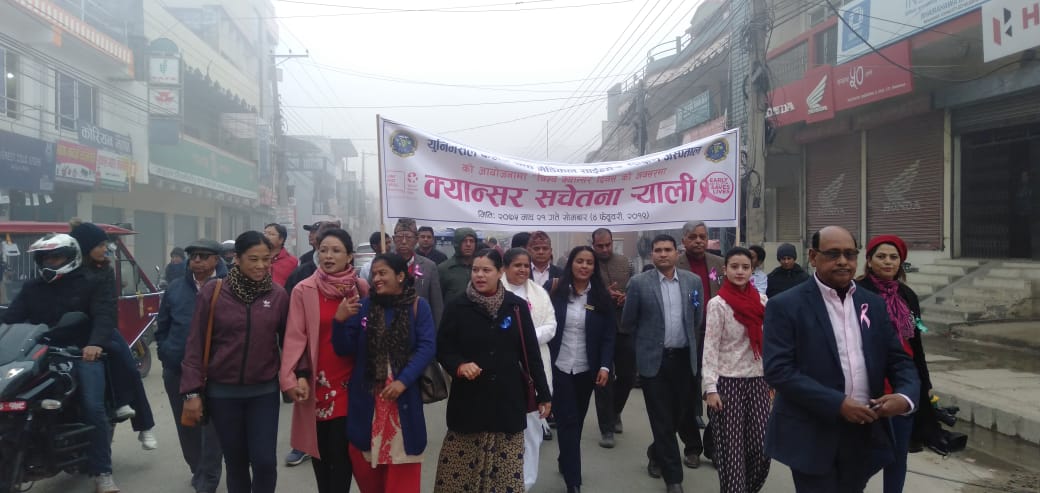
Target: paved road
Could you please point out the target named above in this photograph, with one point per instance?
(622, 469)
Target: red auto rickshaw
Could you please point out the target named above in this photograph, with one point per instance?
(138, 296)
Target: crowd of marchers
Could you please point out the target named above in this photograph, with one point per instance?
(822, 372)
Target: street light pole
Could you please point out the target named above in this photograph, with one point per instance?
(282, 185)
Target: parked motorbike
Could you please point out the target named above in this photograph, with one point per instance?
(42, 432)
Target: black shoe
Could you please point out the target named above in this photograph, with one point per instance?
(547, 434)
(606, 440)
(693, 461)
(618, 428)
(652, 467)
(674, 488)
(574, 489)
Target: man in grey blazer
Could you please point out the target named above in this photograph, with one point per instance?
(424, 270)
(663, 311)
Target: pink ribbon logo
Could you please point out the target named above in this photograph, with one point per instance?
(863, 318)
(716, 186)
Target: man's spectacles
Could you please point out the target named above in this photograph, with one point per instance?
(850, 254)
(404, 237)
(201, 256)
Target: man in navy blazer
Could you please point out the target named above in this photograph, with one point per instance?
(828, 349)
(663, 310)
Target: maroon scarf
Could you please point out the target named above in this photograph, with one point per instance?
(748, 310)
(897, 308)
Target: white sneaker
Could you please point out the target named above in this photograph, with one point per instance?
(104, 483)
(125, 412)
(148, 441)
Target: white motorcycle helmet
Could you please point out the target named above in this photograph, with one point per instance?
(56, 245)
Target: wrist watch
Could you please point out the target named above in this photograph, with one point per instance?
(191, 395)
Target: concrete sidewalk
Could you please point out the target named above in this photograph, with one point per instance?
(1001, 400)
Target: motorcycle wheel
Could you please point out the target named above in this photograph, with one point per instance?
(142, 353)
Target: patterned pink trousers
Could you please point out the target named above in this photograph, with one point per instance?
(739, 434)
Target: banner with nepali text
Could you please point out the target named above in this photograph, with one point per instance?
(435, 180)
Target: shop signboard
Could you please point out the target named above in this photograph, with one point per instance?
(195, 163)
(873, 77)
(26, 164)
(875, 24)
(1008, 27)
(76, 165)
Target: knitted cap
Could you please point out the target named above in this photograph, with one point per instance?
(890, 239)
(786, 250)
(88, 235)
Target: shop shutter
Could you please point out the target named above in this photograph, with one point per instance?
(1006, 112)
(905, 181)
(788, 215)
(832, 183)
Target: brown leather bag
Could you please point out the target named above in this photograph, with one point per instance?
(185, 419)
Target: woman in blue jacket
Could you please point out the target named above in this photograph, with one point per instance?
(393, 340)
(582, 352)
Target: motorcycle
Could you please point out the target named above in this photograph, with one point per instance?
(41, 429)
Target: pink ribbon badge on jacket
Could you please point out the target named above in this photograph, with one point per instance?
(863, 318)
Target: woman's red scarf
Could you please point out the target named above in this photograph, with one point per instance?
(748, 310)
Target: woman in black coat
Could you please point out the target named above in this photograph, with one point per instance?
(582, 352)
(479, 342)
(884, 274)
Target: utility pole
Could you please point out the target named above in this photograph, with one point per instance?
(282, 167)
(755, 232)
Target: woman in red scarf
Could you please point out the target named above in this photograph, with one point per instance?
(884, 274)
(736, 394)
(312, 374)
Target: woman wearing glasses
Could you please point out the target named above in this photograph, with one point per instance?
(884, 274)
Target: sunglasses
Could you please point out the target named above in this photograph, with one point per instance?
(850, 254)
(200, 256)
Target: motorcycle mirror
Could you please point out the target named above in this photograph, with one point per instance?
(71, 319)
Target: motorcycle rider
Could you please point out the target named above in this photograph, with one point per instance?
(128, 393)
(200, 445)
(64, 286)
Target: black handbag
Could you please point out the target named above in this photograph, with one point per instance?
(434, 383)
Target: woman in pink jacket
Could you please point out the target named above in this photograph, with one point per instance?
(313, 375)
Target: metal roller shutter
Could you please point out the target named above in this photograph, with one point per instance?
(788, 220)
(832, 183)
(1006, 112)
(905, 181)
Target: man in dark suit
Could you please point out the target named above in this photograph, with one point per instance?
(662, 311)
(828, 350)
(542, 269)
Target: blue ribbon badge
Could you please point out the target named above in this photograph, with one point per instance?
(695, 299)
(506, 322)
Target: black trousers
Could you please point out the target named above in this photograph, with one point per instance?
(333, 472)
(611, 399)
(200, 445)
(850, 471)
(666, 402)
(571, 396)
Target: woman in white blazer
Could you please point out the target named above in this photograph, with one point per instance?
(518, 281)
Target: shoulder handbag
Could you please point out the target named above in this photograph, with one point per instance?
(185, 420)
(525, 370)
(434, 382)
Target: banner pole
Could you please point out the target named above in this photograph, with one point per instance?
(379, 173)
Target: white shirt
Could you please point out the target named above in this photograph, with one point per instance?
(671, 297)
(845, 322)
(760, 279)
(540, 277)
(573, 356)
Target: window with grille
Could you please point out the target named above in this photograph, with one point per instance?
(789, 66)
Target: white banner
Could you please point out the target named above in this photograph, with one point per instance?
(883, 22)
(435, 180)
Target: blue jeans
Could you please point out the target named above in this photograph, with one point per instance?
(127, 386)
(248, 431)
(895, 473)
(90, 376)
